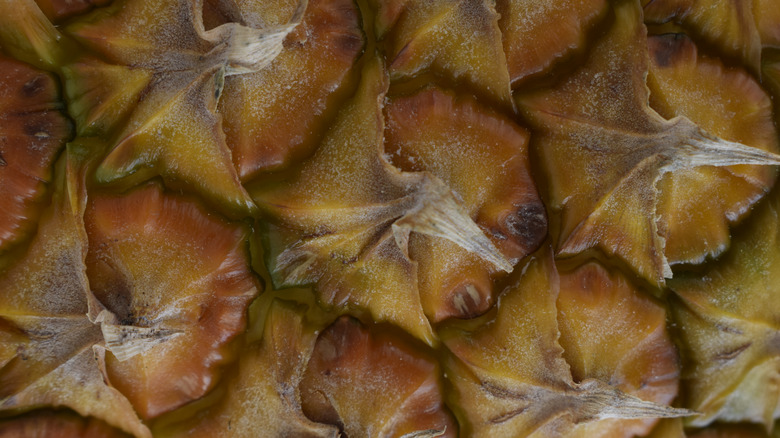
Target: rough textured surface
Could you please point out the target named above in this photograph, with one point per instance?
(183, 312)
(389, 218)
(531, 372)
(627, 156)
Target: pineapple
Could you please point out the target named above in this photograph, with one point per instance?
(389, 218)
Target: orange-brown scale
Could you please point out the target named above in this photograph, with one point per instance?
(261, 394)
(444, 134)
(160, 260)
(32, 132)
(372, 382)
(613, 332)
(539, 33)
(275, 117)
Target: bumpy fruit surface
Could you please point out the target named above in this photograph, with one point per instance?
(389, 218)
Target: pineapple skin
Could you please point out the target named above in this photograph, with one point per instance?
(407, 218)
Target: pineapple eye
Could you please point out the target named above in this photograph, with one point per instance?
(53, 351)
(726, 317)
(190, 307)
(542, 365)
(409, 237)
(696, 226)
(92, 300)
(658, 167)
(389, 218)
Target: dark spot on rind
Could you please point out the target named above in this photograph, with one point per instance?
(21, 352)
(119, 298)
(38, 127)
(528, 223)
(664, 48)
(34, 86)
(349, 43)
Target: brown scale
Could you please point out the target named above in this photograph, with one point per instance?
(352, 223)
(614, 332)
(371, 382)
(697, 212)
(33, 130)
(436, 131)
(169, 274)
(179, 71)
(460, 39)
(275, 117)
(539, 33)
